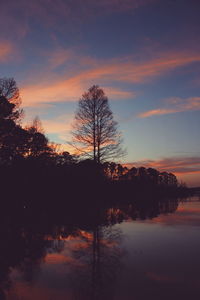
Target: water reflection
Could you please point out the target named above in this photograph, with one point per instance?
(96, 253)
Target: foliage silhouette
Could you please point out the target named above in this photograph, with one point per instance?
(34, 174)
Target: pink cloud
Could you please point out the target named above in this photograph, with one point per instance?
(60, 125)
(65, 90)
(70, 86)
(176, 105)
(129, 70)
(6, 49)
(56, 126)
(174, 164)
(57, 91)
(186, 168)
(116, 93)
(59, 57)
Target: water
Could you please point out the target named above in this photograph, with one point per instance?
(130, 252)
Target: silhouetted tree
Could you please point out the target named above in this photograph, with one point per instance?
(131, 174)
(114, 171)
(38, 142)
(164, 178)
(12, 136)
(172, 179)
(10, 92)
(142, 175)
(153, 175)
(65, 159)
(95, 133)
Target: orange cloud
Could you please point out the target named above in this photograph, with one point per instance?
(64, 90)
(115, 93)
(59, 57)
(58, 91)
(186, 168)
(62, 128)
(156, 112)
(6, 50)
(178, 105)
(129, 70)
(70, 88)
(178, 164)
(60, 125)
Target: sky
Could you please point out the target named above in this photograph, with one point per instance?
(145, 54)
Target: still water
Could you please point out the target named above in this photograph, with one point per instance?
(126, 253)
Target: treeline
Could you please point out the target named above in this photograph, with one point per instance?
(139, 175)
(32, 169)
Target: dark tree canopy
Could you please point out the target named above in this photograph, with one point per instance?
(95, 132)
(37, 143)
(10, 92)
(15, 141)
(11, 134)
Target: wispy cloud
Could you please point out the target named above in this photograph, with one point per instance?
(72, 83)
(60, 125)
(6, 49)
(174, 105)
(56, 126)
(187, 169)
(116, 93)
(177, 165)
(59, 57)
(66, 90)
(58, 91)
(16, 16)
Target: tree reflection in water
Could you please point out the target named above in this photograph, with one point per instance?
(99, 264)
(28, 239)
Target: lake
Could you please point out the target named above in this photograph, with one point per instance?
(124, 252)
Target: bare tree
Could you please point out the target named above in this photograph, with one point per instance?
(95, 132)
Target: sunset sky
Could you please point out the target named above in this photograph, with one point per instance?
(145, 54)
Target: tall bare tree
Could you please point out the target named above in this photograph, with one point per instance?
(95, 133)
